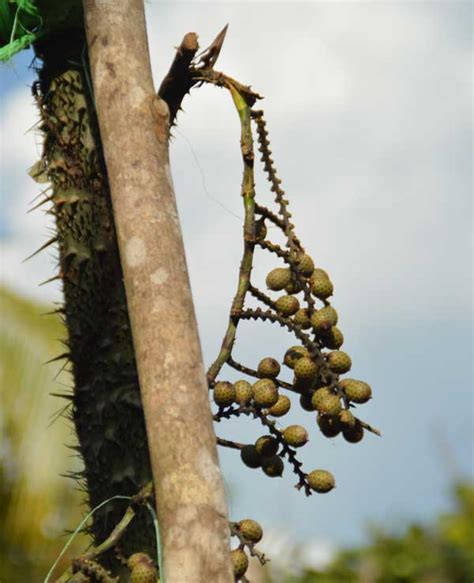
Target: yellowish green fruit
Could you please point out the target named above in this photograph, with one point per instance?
(278, 278)
(281, 407)
(339, 362)
(137, 558)
(243, 392)
(287, 305)
(266, 445)
(293, 354)
(329, 426)
(224, 393)
(324, 319)
(356, 391)
(332, 338)
(250, 457)
(346, 419)
(321, 287)
(305, 368)
(302, 319)
(268, 368)
(250, 530)
(294, 287)
(273, 466)
(240, 562)
(321, 481)
(320, 395)
(305, 264)
(143, 574)
(265, 393)
(330, 405)
(318, 272)
(295, 435)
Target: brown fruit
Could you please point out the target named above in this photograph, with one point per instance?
(306, 401)
(293, 354)
(354, 434)
(324, 319)
(273, 466)
(240, 562)
(329, 426)
(301, 318)
(224, 393)
(332, 338)
(305, 264)
(266, 445)
(268, 368)
(250, 530)
(250, 457)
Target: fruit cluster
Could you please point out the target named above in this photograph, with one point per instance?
(299, 301)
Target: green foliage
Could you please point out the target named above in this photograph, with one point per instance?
(442, 553)
(37, 504)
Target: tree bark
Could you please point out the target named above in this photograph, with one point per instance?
(134, 128)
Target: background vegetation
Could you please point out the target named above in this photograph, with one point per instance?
(38, 504)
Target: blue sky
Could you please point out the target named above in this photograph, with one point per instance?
(369, 108)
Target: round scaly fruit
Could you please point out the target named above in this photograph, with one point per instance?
(287, 305)
(266, 446)
(273, 466)
(278, 278)
(356, 391)
(330, 405)
(281, 407)
(293, 354)
(250, 530)
(243, 392)
(250, 457)
(295, 435)
(321, 481)
(321, 286)
(294, 287)
(329, 426)
(302, 319)
(339, 362)
(240, 562)
(268, 368)
(354, 434)
(346, 419)
(324, 319)
(265, 393)
(142, 569)
(224, 393)
(305, 368)
(319, 396)
(305, 264)
(332, 338)
(318, 272)
(306, 401)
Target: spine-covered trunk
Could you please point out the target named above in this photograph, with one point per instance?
(106, 405)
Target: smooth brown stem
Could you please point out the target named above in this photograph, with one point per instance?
(134, 128)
